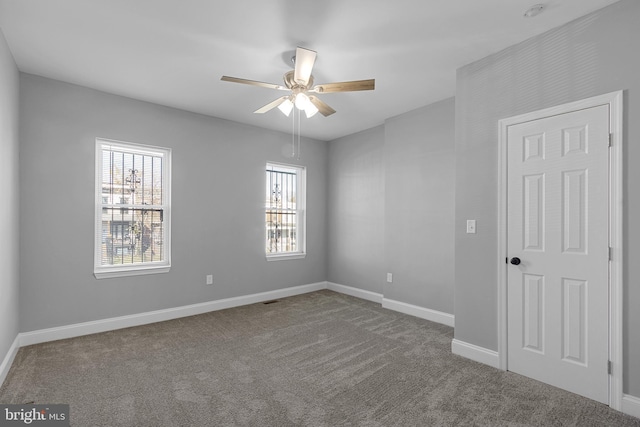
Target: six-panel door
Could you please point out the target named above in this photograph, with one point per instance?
(558, 191)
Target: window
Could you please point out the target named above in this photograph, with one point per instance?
(285, 212)
(133, 188)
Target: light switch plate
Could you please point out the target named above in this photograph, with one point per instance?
(471, 226)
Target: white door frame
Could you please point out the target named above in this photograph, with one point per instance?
(614, 100)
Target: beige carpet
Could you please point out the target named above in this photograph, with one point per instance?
(320, 359)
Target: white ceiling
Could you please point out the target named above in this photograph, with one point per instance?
(173, 52)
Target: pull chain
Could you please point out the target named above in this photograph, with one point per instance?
(293, 132)
(299, 114)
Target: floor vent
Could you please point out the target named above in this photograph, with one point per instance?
(271, 302)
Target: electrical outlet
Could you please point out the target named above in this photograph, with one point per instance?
(471, 226)
(389, 278)
(209, 279)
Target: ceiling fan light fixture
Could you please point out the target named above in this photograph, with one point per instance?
(311, 110)
(302, 101)
(286, 107)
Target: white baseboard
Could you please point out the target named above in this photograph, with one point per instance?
(355, 292)
(86, 328)
(104, 325)
(476, 353)
(8, 359)
(421, 312)
(631, 405)
(402, 307)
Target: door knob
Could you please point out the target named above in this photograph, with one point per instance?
(515, 260)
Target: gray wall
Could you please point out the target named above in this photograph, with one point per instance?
(355, 211)
(217, 201)
(9, 200)
(593, 55)
(391, 208)
(419, 206)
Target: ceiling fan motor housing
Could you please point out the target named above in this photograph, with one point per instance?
(293, 85)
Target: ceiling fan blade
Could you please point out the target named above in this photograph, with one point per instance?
(271, 105)
(305, 59)
(351, 86)
(253, 83)
(323, 108)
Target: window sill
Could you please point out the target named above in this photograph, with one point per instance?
(125, 272)
(284, 257)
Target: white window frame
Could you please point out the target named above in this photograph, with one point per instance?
(109, 271)
(301, 217)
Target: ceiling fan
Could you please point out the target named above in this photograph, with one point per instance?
(299, 82)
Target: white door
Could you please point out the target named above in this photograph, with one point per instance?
(557, 296)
